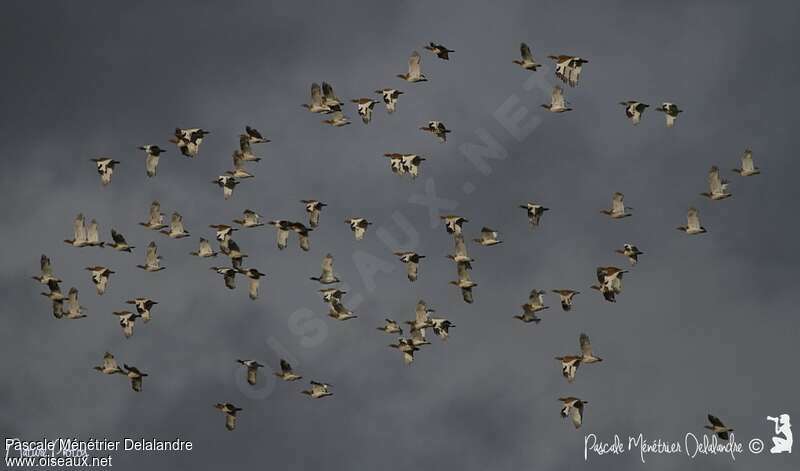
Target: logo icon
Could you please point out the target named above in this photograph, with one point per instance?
(782, 427)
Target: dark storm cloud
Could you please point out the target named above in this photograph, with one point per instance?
(695, 331)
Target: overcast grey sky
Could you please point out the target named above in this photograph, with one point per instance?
(705, 324)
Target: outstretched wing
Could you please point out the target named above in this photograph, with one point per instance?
(714, 182)
(693, 219)
(557, 98)
(617, 205)
(327, 266)
(414, 64)
(586, 346)
(316, 94)
(747, 161)
(525, 51)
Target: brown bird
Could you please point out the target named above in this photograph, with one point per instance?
(230, 413)
(440, 51)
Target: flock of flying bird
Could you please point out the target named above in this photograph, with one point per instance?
(324, 101)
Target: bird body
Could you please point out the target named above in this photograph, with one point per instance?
(630, 251)
(567, 296)
(286, 373)
(100, 277)
(252, 369)
(318, 390)
(717, 187)
(572, 407)
(135, 376)
(390, 96)
(440, 51)
(718, 427)
(747, 168)
(438, 129)
(109, 365)
(414, 73)
(634, 110)
(230, 411)
(568, 68)
(558, 104)
(176, 229)
(105, 167)
(365, 106)
(313, 208)
(155, 220)
(326, 277)
(358, 226)
(692, 226)
(249, 219)
(143, 306)
(152, 153)
(152, 261)
(411, 259)
(188, 140)
(527, 61)
(670, 111)
(119, 243)
(618, 209)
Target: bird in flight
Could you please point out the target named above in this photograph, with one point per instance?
(414, 73)
(152, 154)
(527, 61)
(717, 427)
(230, 411)
(634, 110)
(670, 111)
(747, 168)
(105, 167)
(440, 51)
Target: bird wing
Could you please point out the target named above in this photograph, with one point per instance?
(327, 266)
(151, 258)
(79, 229)
(421, 312)
(617, 205)
(412, 269)
(230, 420)
(46, 268)
(414, 64)
(253, 291)
(586, 346)
(283, 238)
(316, 94)
(155, 213)
(557, 98)
(109, 363)
(305, 242)
(327, 92)
(715, 421)
(576, 413)
(176, 224)
(525, 51)
(714, 182)
(72, 298)
(285, 366)
(693, 219)
(463, 272)
(117, 237)
(150, 163)
(747, 161)
(460, 246)
(230, 279)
